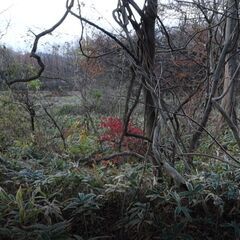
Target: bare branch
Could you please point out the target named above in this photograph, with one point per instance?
(108, 34)
(35, 45)
(229, 122)
(209, 156)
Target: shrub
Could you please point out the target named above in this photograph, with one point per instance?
(81, 141)
(113, 130)
(12, 113)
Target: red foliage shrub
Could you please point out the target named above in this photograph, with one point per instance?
(114, 128)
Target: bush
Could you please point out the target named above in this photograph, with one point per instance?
(12, 113)
(113, 130)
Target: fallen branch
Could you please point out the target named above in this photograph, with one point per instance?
(112, 156)
(170, 171)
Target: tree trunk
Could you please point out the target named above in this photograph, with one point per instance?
(149, 114)
(148, 58)
(231, 35)
(231, 69)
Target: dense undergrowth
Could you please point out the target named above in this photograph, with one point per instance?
(48, 192)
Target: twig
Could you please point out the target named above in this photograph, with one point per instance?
(57, 127)
(107, 33)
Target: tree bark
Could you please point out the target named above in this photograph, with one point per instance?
(230, 77)
(226, 50)
(148, 57)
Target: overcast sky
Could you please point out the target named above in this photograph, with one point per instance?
(38, 15)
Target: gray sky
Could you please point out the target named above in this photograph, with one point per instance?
(26, 17)
(37, 15)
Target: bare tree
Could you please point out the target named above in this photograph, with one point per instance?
(226, 58)
(231, 67)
